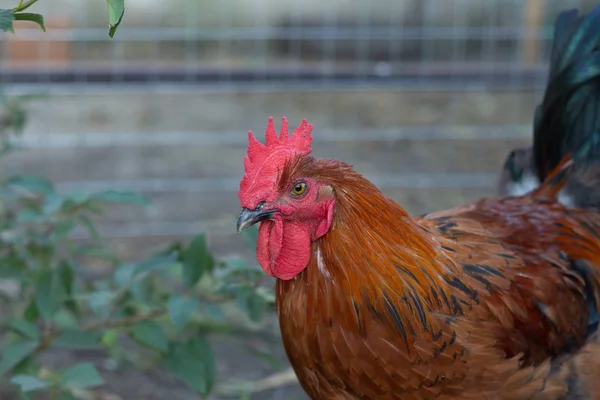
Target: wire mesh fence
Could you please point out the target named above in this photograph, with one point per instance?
(423, 96)
(257, 40)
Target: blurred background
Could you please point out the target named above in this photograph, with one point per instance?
(425, 97)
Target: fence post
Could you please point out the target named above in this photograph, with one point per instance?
(534, 13)
(44, 53)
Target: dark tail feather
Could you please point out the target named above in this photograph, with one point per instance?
(568, 120)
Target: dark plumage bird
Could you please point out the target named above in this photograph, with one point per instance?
(568, 119)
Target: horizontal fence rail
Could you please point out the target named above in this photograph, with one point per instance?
(162, 108)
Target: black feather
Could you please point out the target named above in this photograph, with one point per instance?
(568, 120)
(585, 270)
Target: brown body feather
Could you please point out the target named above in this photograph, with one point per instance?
(486, 301)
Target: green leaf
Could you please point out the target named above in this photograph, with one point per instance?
(100, 302)
(65, 319)
(196, 260)
(89, 226)
(241, 297)
(123, 275)
(156, 263)
(35, 184)
(31, 313)
(256, 306)
(251, 236)
(144, 291)
(109, 338)
(18, 116)
(6, 20)
(235, 264)
(116, 9)
(150, 334)
(53, 202)
(67, 277)
(49, 293)
(181, 309)
(78, 340)
(94, 208)
(13, 354)
(64, 228)
(26, 329)
(26, 367)
(194, 363)
(82, 375)
(173, 249)
(76, 199)
(37, 18)
(41, 251)
(213, 310)
(28, 383)
(29, 215)
(117, 196)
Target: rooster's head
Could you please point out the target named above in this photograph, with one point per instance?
(293, 206)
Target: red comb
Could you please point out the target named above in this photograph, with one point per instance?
(298, 142)
(264, 161)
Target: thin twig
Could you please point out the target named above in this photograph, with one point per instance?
(276, 380)
(24, 6)
(116, 323)
(119, 297)
(283, 378)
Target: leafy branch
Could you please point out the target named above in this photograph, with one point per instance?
(168, 303)
(23, 5)
(116, 10)
(162, 310)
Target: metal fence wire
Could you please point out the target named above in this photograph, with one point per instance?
(425, 97)
(264, 40)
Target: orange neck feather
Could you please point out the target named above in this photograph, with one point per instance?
(374, 256)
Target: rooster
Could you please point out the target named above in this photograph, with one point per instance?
(567, 118)
(497, 299)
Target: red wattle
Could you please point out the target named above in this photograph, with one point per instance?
(283, 250)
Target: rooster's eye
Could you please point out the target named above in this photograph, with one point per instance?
(299, 188)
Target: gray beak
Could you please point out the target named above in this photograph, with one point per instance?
(248, 217)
